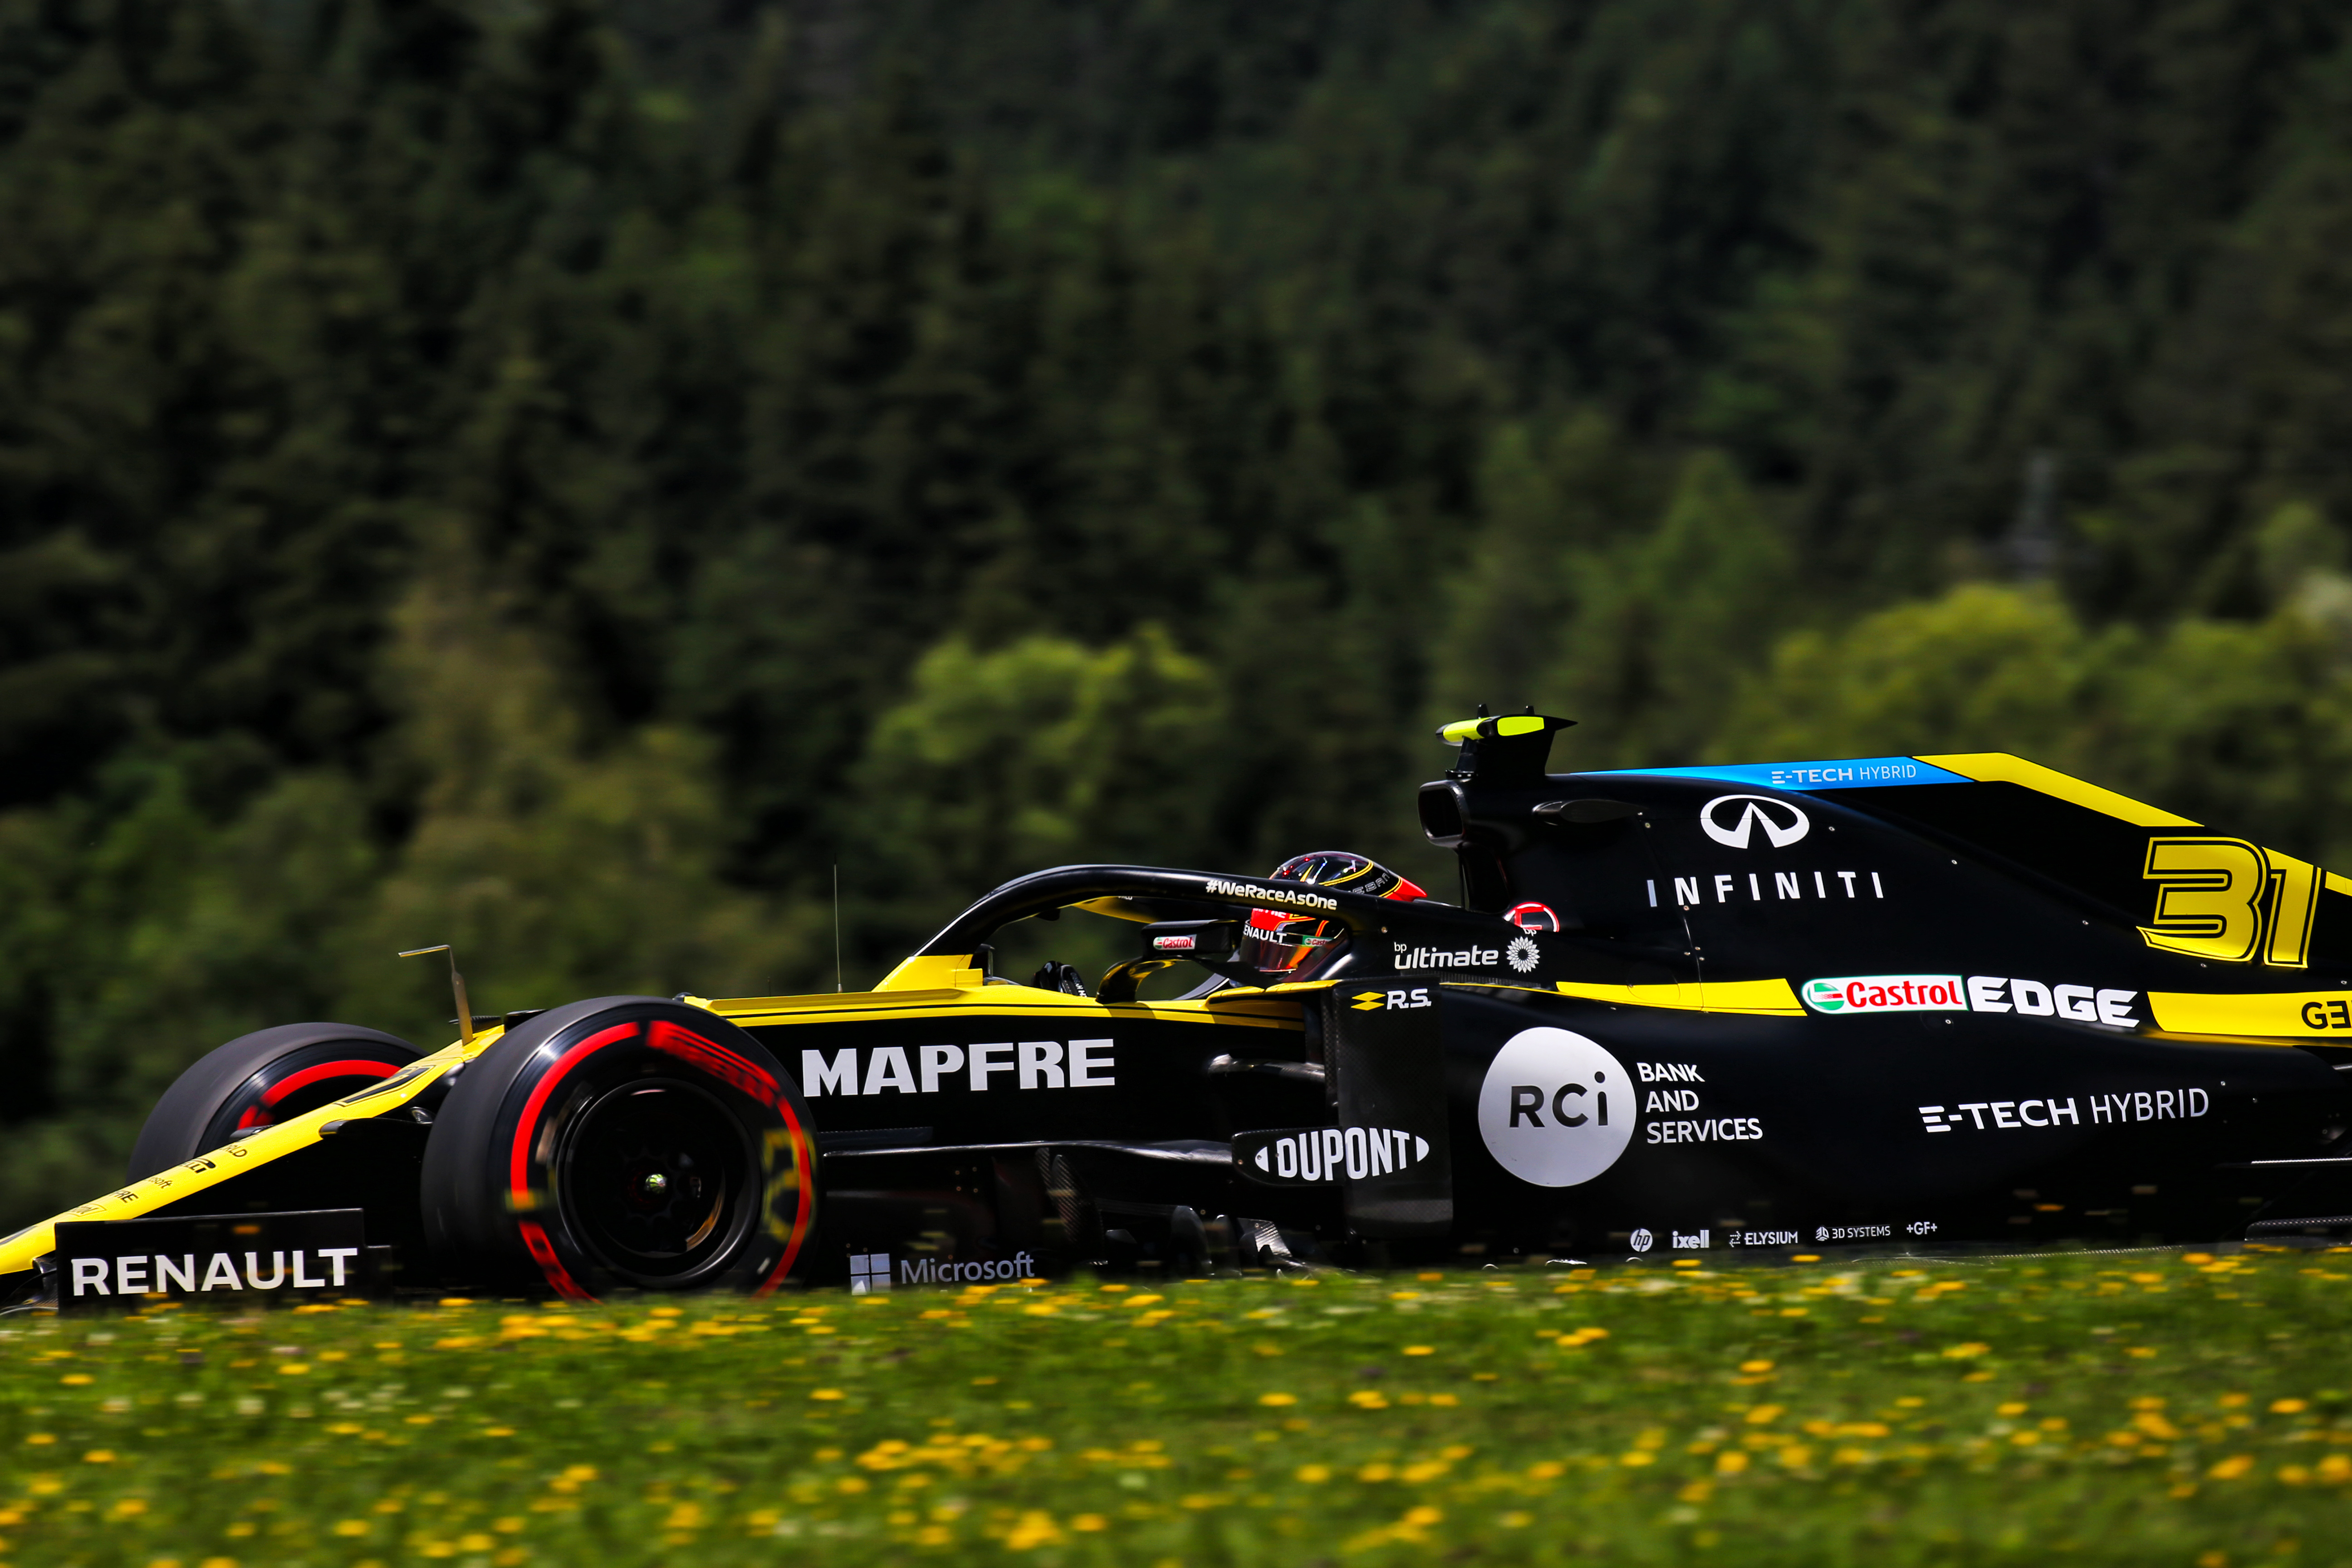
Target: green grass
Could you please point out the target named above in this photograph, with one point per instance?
(2156, 1408)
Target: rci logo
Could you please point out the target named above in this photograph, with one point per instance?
(1783, 824)
(1556, 1108)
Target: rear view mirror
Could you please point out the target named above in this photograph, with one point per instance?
(1208, 942)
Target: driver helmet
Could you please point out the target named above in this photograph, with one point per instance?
(1280, 944)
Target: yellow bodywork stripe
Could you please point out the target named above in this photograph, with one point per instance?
(2000, 767)
(1276, 1008)
(1766, 997)
(2285, 1014)
(209, 1169)
(949, 973)
(1772, 996)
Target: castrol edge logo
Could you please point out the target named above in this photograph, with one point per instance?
(1886, 993)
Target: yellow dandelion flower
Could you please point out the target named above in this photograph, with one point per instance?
(2287, 1406)
(2231, 1468)
(1278, 1399)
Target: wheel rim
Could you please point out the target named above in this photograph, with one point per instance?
(655, 1179)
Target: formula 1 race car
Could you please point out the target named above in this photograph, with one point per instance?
(1898, 1002)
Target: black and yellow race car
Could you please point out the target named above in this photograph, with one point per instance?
(1892, 1002)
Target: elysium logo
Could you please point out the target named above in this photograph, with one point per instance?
(1783, 823)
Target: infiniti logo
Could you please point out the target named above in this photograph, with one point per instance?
(1783, 824)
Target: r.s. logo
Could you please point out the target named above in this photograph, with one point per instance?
(1556, 1108)
(1783, 823)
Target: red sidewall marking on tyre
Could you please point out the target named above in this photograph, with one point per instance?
(736, 1072)
(731, 1068)
(744, 1074)
(805, 1169)
(543, 1252)
(518, 1177)
(309, 1075)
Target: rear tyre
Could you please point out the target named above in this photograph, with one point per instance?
(621, 1143)
(258, 1081)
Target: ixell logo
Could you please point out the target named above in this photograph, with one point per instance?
(1732, 820)
(1545, 1109)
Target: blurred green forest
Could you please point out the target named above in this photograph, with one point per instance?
(562, 475)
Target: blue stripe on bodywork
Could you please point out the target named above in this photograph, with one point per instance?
(1848, 773)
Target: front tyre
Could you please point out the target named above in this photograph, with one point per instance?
(258, 1081)
(621, 1143)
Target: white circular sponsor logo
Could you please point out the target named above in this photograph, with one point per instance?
(1732, 820)
(1642, 1240)
(1523, 955)
(1557, 1108)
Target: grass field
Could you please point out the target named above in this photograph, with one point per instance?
(2147, 1408)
